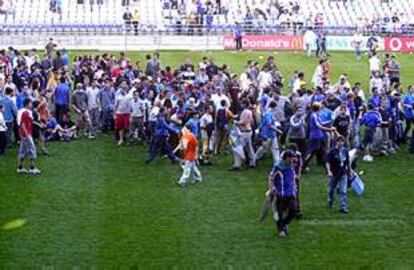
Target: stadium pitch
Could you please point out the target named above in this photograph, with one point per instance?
(99, 205)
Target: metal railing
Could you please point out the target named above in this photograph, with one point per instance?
(131, 28)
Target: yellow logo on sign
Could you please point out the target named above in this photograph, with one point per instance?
(296, 43)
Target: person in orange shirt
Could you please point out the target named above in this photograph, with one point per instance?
(189, 145)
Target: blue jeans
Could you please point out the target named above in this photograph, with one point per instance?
(341, 183)
(315, 145)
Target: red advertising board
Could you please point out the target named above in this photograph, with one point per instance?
(399, 44)
(266, 42)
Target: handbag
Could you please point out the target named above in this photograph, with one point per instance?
(357, 185)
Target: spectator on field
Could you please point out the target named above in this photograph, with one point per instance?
(50, 47)
(127, 17)
(374, 64)
(3, 134)
(27, 149)
(9, 114)
(135, 21)
(61, 98)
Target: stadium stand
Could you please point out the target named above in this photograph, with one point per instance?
(185, 16)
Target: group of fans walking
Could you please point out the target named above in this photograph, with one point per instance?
(176, 110)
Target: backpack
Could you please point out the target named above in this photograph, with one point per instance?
(222, 121)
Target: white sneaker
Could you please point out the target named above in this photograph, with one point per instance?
(368, 158)
(35, 171)
(282, 234)
(120, 142)
(197, 180)
(22, 170)
(182, 184)
(91, 136)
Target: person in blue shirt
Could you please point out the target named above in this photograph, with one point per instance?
(408, 103)
(372, 45)
(194, 122)
(65, 58)
(282, 185)
(20, 97)
(375, 99)
(397, 118)
(338, 167)
(316, 135)
(268, 133)
(9, 113)
(318, 97)
(61, 98)
(107, 105)
(371, 120)
(326, 118)
(238, 35)
(159, 143)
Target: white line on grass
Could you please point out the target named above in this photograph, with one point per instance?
(355, 222)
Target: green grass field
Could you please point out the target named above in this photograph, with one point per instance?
(97, 205)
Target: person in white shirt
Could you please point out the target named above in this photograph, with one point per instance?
(374, 64)
(93, 107)
(264, 78)
(318, 75)
(309, 39)
(3, 135)
(218, 97)
(244, 81)
(136, 123)
(298, 82)
(9, 84)
(122, 113)
(376, 82)
(207, 127)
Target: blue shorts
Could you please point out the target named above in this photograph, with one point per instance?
(27, 149)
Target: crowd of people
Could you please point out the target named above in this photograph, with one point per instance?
(176, 110)
(252, 17)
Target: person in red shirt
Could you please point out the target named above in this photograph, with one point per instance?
(27, 146)
(189, 145)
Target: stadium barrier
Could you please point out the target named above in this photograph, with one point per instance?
(206, 42)
(115, 42)
(266, 42)
(347, 43)
(399, 44)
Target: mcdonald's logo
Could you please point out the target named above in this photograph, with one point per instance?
(296, 43)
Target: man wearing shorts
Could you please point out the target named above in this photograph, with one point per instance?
(189, 144)
(27, 146)
(122, 112)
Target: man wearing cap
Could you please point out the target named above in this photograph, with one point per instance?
(282, 184)
(189, 145)
(338, 168)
